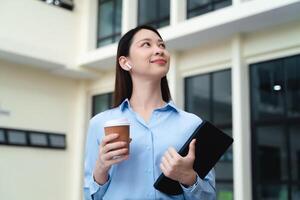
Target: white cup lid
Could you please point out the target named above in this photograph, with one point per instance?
(117, 122)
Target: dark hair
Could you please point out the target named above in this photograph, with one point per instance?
(123, 82)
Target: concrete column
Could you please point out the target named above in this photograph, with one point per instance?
(177, 11)
(175, 81)
(89, 25)
(129, 15)
(241, 123)
(78, 143)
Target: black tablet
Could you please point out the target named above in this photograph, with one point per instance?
(211, 144)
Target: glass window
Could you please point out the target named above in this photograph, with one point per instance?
(224, 191)
(275, 119)
(292, 66)
(17, 137)
(57, 141)
(222, 97)
(2, 136)
(267, 86)
(295, 152)
(109, 21)
(296, 192)
(38, 139)
(272, 191)
(155, 13)
(272, 151)
(32, 138)
(101, 103)
(199, 7)
(209, 97)
(197, 98)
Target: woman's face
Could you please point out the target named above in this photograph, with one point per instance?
(148, 55)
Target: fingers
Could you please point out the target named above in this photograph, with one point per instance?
(173, 153)
(118, 159)
(109, 138)
(114, 154)
(192, 147)
(112, 146)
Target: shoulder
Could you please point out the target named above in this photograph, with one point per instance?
(191, 117)
(101, 117)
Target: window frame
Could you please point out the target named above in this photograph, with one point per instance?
(28, 143)
(110, 98)
(226, 125)
(284, 121)
(114, 34)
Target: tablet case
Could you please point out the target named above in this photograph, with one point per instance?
(211, 144)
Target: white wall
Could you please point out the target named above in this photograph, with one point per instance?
(36, 29)
(42, 102)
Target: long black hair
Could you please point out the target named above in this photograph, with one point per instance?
(123, 82)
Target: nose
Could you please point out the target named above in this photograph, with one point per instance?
(159, 51)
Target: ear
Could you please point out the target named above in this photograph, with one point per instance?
(122, 61)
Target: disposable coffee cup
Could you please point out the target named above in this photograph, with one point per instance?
(119, 126)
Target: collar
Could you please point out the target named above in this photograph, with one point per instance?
(169, 105)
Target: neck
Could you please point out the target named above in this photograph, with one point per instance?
(146, 96)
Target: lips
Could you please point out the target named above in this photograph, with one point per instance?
(159, 61)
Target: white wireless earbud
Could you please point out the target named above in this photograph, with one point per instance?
(128, 65)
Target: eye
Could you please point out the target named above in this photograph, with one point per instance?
(162, 45)
(147, 44)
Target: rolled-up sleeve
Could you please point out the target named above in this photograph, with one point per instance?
(202, 189)
(92, 190)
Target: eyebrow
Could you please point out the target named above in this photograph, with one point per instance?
(148, 39)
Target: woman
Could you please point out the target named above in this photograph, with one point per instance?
(157, 128)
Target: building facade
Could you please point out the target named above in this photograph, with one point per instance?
(235, 63)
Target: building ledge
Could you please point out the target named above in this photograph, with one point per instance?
(245, 17)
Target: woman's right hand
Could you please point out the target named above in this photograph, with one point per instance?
(109, 153)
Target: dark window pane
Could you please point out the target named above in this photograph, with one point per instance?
(222, 4)
(105, 27)
(209, 97)
(197, 3)
(295, 151)
(57, 141)
(147, 11)
(222, 97)
(224, 191)
(105, 42)
(224, 167)
(17, 137)
(292, 69)
(164, 23)
(296, 192)
(267, 90)
(164, 9)
(2, 136)
(38, 139)
(272, 153)
(199, 7)
(101, 103)
(118, 17)
(198, 96)
(154, 13)
(272, 191)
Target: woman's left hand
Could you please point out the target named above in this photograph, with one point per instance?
(179, 168)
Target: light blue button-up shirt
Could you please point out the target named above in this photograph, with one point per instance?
(134, 178)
